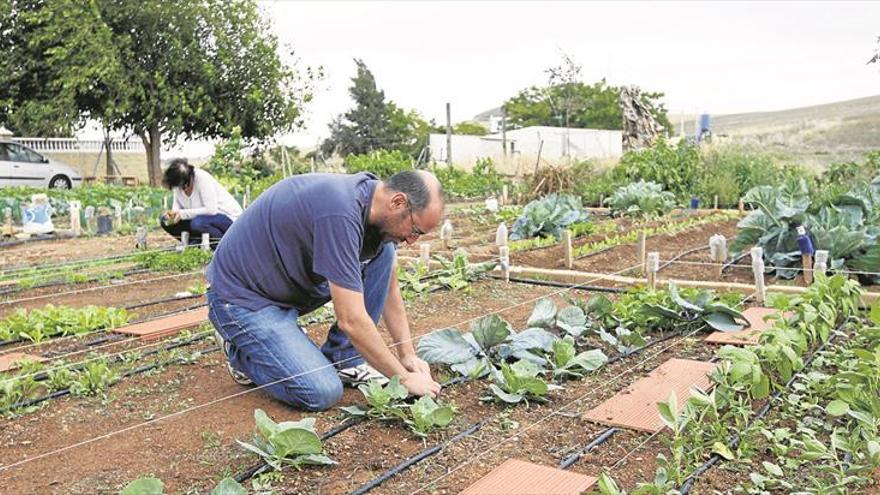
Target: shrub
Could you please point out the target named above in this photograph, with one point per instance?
(641, 199)
(674, 168)
(382, 163)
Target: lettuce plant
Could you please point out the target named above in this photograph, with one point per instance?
(426, 415)
(547, 217)
(290, 443)
(519, 382)
(567, 362)
(641, 200)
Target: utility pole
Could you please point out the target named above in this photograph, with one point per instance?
(448, 134)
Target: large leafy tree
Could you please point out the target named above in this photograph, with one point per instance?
(581, 105)
(375, 123)
(162, 70)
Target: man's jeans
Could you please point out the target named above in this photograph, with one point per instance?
(271, 349)
(213, 225)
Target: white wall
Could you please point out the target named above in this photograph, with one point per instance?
(524, 144)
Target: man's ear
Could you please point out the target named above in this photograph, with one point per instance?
(398, 200)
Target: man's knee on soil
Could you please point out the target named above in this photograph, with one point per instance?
(321, 394)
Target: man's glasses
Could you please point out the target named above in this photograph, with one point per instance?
(415, 230)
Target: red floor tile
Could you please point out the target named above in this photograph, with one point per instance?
(516, 477)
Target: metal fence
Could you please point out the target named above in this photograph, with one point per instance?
(73, 145)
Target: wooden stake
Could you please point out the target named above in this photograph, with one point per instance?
(566, 245)
(643, 251)
(504, 258)
(807, 263)
(742, 206)
(716, 202)
(757, 254)
(425, 251)
(653, 266)
(206, 241)
(504, 193)
(75, 224)
(601, 200)
(8, 229)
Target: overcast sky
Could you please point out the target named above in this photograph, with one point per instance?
(724, 57)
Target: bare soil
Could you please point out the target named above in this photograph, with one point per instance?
(35, 253)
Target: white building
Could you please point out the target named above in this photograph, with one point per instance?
(555, 145)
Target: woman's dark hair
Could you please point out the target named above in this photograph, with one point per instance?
(178, 174)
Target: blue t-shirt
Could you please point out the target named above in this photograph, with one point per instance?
(300, 233)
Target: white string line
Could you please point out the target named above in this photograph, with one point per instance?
(553, 413)
(101, 287)
(797, 269)
(557, 411)
(260, 387)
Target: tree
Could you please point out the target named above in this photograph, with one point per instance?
(374, 123)
(469, 128)
(162, 70)
(568, 102)
(876, 58)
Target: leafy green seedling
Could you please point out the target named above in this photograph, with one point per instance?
(567, 363)
(228, 486)
(385, 402)
(427, 415)
(144, 486)
(290, 443)
(519, 382)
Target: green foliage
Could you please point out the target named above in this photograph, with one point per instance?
(144, 486)
(195, 69)
(50, 321)
(290, 443)
(589, 106)
(380, 162)
(519, 382)
(174, 261)
(641, 200)
(547, 217)
(469, 128)
(674, 168)
(374, 124)
(729, 171)
(97, 195)
(386, 402)
(94, 378)
(482, 181)
(228, 486)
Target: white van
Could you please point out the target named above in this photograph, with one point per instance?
(22, 166)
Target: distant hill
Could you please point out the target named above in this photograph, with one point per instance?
(816, 135)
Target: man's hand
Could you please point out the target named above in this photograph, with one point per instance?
(420, 384)
(415, 365)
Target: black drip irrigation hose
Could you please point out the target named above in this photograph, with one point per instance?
(602, 438)
(682, 255)
(61, 393)
(734, 442)
(57, 236)
(551, 283)
(161, 301)
(416, 459)
(726, 266)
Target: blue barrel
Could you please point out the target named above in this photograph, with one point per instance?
(695, 202)
(704, 123)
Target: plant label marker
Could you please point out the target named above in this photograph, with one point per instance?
(569, 252)
(504, 259)
(652, 268)
(446, 233)
(184, 241)
(75, 225)
(757, 254)
(821, 261)
(90, 218)
(501, 235)
(718, 249)
(504, 194)
(117, 213)
(141, 238)
(742, 206)
(425, 254)
(715, 203)
(643, 251)
(206, 241)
